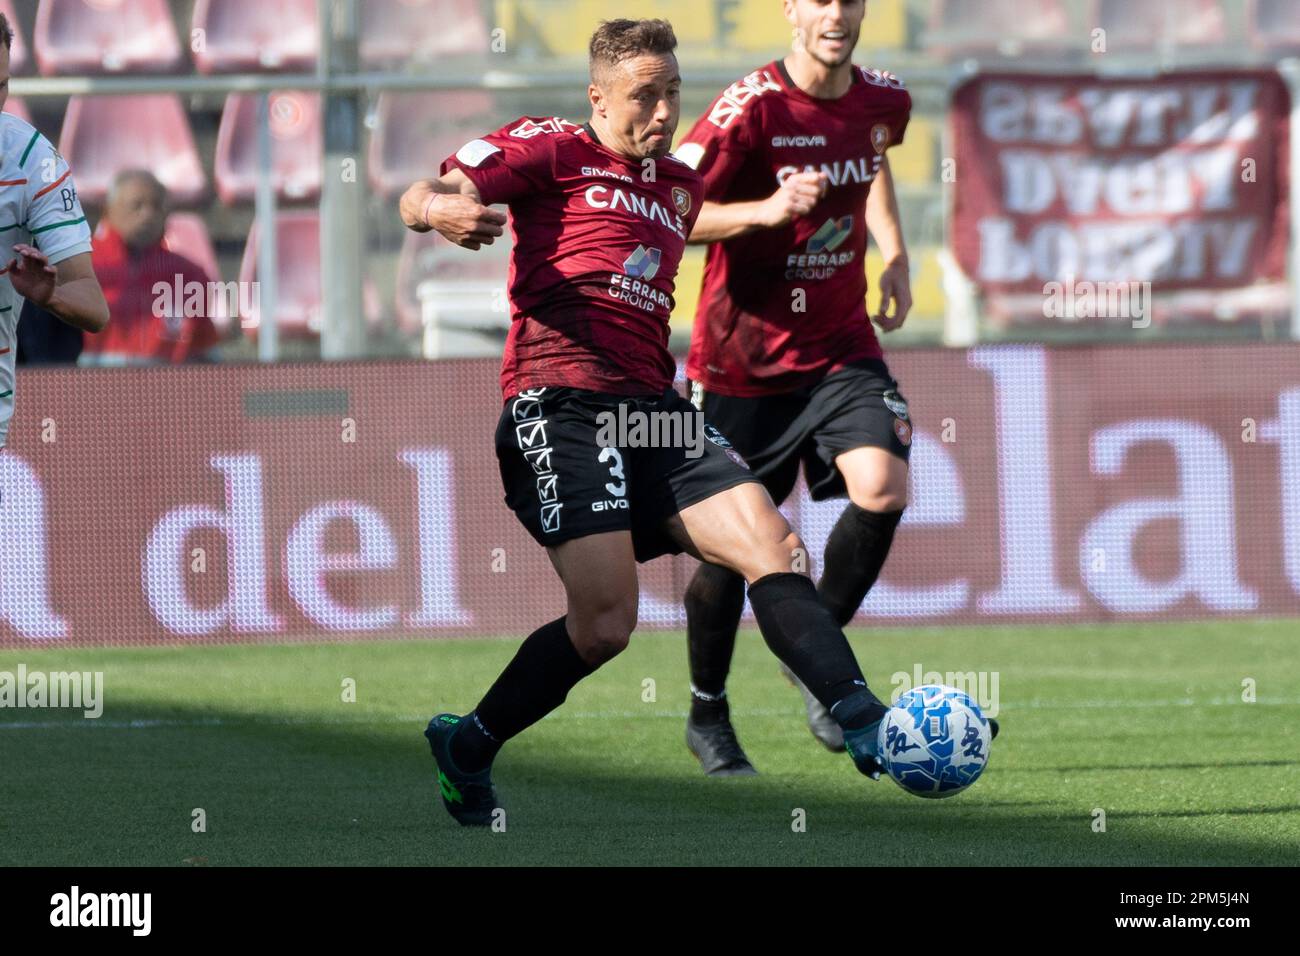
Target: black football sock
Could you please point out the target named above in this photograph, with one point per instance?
(799, 629)
(855, 553)
(715, 598)
(535, 682)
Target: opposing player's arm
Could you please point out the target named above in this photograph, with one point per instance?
(453, 206)
(887, 230)
(795, 197)
(67, 289)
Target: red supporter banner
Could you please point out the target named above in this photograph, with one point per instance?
(353, 500)
(1179, 180)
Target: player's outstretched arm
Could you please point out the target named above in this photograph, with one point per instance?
(68, 289)
(796, 197)
(454, 208)
(887, 230)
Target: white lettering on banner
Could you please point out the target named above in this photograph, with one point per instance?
(1029, 578)
(1118, 250)
(307, 562)
(1285, 431)
(24, 558)
(1204, 509)
(435, 503)
(1171, 183)
(1147, 115)
(245, 608)
(242, 524)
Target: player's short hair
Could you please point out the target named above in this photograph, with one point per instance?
(617, 40)
(6, 32)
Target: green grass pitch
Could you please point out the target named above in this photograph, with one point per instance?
(1145, 723)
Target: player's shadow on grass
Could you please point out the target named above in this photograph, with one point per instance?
(352, 791)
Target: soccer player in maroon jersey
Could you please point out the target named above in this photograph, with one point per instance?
(783, 358)
(600, 214)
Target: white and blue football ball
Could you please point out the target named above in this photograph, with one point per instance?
(934, 741)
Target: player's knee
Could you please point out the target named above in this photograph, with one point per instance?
(778, 553)
(602, 634)
(879, 496)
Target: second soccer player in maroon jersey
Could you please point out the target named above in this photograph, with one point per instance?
(783, 359)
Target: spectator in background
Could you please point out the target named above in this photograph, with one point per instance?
(130, 260)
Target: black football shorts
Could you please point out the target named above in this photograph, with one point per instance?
(569, 473)
(857, 407)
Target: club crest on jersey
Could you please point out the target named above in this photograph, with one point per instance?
(681, 200)
(879, 138)
(904, 431)
(896, 404)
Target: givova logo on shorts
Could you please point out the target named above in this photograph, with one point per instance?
(530, 435)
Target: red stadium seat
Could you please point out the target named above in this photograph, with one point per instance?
(415, 132)
(16, 107)
(298, 274)
(960, 27)
(256, 35)
(295, 147)
(1130, 25)
(427, 256)
(19, 61)
(103, 135)
(106, 36)
(394, 31)
(1275, 24)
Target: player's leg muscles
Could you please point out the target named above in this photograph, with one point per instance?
(741, 529)
(599, 575)
(600, 586)
(859, 543)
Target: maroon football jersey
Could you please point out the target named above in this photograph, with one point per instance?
(782, 308)
(598, 238)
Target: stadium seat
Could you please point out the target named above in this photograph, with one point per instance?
(299, 295)
(298, 274)
(395, 31)
(1275, 25)
(106, 36)
(427, 256)
(415, 132)
(16, 107)
(295, 147)
(256, 35)
(1007, 27)
(19, 61)
(1130, 25)
(105, 134)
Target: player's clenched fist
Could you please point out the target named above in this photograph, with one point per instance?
(456, 217)
(797, 196)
